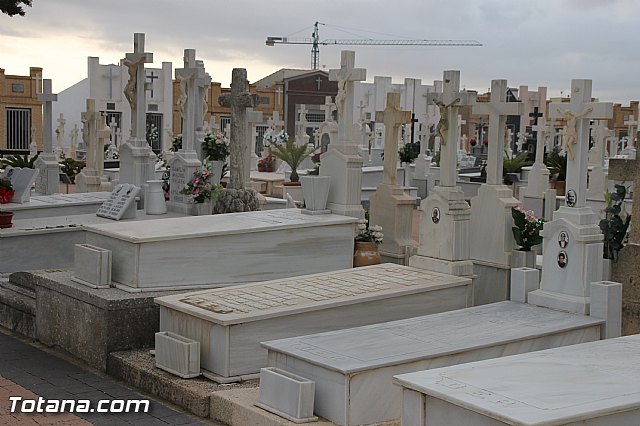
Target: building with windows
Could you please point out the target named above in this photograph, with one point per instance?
(20, 111)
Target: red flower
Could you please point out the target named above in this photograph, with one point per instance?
(6, 195)
(472, 142)
(485, 142)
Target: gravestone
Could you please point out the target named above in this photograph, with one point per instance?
(121, 203)
(22, 179)
(136, 157)
(491, 240)
(572, 246)
(444, 214)
(592, 383)
(184, 163)
(231, 322)
(95, 133)
(342, 161)
(239, 196)
(626, 269)
(390, 207)
(598, 175)
(47, 182)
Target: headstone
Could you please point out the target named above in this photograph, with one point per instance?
(342, 161)
(444, 214)
(493, 203)
(185, 162)
(22, 179)
(592, 383)
(252, 313)
(121, 203)
(136, 157)
(390, 207)
(95, 134)
(47, 163)
(572, 246)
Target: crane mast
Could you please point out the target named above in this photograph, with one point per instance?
(315, 43)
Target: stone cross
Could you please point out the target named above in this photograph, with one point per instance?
(47, 98)
(203, 83)
(91, 120)
(275, 123)
(452, 98)
(60, 132)
(328, 109)
(626, 170)
(278, 96)
(631, 123)
(38, 79)
(498, 110)
(238, 100)
(113, 125)
(73, 136)
(392, 117)
(110, 76)
(346, 76)
(188, 97)
(104, 133)
(541, 129)
(578, 112)
(134, 91)
(301, 124)
(600, 134)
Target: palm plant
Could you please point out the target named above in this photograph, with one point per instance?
(19, 161)
(292, 154)
(557, 165)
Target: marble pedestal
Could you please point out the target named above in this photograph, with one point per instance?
(48, 181)
(344, 165)
(392, 209)
(90, 181)
(136, 164)
(230, 323)
(220, 250)
(444, 233)
(592, 384)
(353, 368)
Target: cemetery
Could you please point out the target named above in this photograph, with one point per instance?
(212, 257)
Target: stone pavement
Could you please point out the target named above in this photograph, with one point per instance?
(28, 371)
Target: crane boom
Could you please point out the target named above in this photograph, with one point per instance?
(315, 42)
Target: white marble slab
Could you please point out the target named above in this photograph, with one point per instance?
(354, 367)
(230, 322)
(589, 384)
(43, 206)
(219, 250)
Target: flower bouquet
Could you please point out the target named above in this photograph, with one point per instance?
(527, 228)
(6, 191)
(200, 189)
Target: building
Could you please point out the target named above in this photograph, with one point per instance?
(20, 111)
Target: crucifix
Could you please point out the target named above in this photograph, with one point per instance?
(91, 120)
(319, 81)
(110, 77)
(346, 76)
(274, 122)
(38, 79)
(328, 108)
(536, 114)
(239, 100)
(451, 98)
(392, 117)
(152, 76)
(186, 77)
(278, 96)
(47, 98)
(498, 109)
(134, 90)
(578, 112)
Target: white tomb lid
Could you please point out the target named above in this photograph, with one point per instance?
(375, 346)
(212, 225)
(551, 387)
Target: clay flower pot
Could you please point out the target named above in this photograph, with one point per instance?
(365, 254)
(5, 219)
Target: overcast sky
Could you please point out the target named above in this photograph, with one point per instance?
(533, 43)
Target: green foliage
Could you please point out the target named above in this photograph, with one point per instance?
(19, 161)
(292, 154)
(515, 164)
(613, 226)
(409, 152)
(436, 158)
(527, 228)
(557, 165)
(176, 143)
(14, 7)
(71, 167)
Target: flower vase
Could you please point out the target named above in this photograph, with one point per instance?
(217, 171)
(202, 209)
(315, 191)
(523, 259)
(154, 201)
(5, 220)
(365, 254)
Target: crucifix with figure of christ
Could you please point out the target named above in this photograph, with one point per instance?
(392, 117)
(134, 90)
(346, 76)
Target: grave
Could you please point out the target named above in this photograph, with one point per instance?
(22, 180)
(491, 240)
(390, 207)
(592, 383)
(354, 367)
(444, 214)
(121, 203)
(230, 322)
(95, 133)
(47, 163)
(43, 206)
(220, 250)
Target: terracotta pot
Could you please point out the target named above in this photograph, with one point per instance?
(365, 254)
(5, 219)
(558, 185)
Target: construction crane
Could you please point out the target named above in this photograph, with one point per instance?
(316, 42)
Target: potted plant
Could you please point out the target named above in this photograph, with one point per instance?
(526, 232)
(22, 161)
(267, 164)
(6, 194)
(71, 167)
(366, 244)
(513, 166)
(557, 165)
(614, 226)
(292, 154)
(201, 191)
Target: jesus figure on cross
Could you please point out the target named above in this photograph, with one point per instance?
(571, 136)
(443, 124)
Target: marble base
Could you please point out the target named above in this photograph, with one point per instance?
(231, 322)
(461, 268)
(353, 368)
(492, 284)
(592, 384)
(201, 251)
(344, 165)
(48, 180)
(392, 209)
(286, 395)
(177, 355)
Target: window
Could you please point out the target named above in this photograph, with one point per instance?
(315, 117)
(111, 106)
(153, 107)
(18, 128)
(224, 122)
(17, 88)
(264, 100)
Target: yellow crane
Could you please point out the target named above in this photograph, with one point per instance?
(316, 42)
